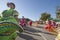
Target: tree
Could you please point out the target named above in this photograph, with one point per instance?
(45, 16)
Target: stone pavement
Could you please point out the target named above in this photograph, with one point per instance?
(35, 33)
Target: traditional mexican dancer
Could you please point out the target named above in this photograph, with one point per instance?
(49, 26)
(23, 22)
(30, 23)
(54, 24)
(9, 24)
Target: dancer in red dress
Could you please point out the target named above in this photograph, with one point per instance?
(22, 21)
(49, 26)
(30, 23)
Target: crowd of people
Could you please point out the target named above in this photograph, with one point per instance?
(50, 26)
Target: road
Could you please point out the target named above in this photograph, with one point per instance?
(35, 33)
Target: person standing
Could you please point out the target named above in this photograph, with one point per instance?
(30, 23)
(53, 24)
(49, 26)
(22, 21)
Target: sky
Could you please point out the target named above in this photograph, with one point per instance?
(32, 9)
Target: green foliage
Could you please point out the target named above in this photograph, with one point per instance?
(45, 16)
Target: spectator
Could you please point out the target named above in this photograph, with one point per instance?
(30, 23)
(53, 24)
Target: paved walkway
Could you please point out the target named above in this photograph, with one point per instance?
(35, 33)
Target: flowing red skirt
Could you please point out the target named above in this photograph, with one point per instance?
(49, 28)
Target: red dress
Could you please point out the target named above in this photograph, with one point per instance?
(49, 27)
(30, 23)
(22, 22)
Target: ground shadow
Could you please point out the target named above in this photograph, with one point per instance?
(35, 31)
(40, 27)
(26, 37)
(31, 33)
